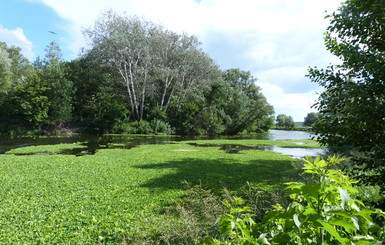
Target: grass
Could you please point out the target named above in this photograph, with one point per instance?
(121, 195)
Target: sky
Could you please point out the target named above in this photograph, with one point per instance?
(276, 40)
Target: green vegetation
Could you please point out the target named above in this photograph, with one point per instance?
(285, 121)
(122, 195)
(310, 119)
(323, 211)
(136, 77)
(352, 106)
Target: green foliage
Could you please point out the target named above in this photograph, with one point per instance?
(246, 106)
(5, 70)
(14, 69)
(28, 101)
(123, 195)
(352, 105)
(324, 211)
(134, 71)
(60, 89)
(310, 119)
(285, 121)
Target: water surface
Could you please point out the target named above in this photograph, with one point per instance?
(94, 143)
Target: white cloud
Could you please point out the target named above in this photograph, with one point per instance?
(17, 38)
(276, 40)
(296, 105)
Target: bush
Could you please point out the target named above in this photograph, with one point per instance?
(123, 127)
(160, 127)
(324, 211)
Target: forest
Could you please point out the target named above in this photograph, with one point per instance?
(135, 77)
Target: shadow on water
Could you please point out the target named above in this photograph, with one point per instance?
(91, 144)
(217, 174)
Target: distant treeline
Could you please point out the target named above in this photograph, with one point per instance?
(135, 77)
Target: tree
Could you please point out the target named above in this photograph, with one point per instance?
(19, 67)
(310, 119)
(285, 121)
(53, 73)
(98, 100)
(154, 64)
(352, 107)
(28, 101)
(246, 106)
(5, 73)
(14, 69)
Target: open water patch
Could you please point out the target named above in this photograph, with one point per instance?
(296, 152)
(233, 148)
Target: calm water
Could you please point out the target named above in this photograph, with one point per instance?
(93, 143)
(288, 135)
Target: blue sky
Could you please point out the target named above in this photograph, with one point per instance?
(36, 20)
(277, 40)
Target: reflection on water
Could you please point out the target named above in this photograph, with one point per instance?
(299, 152)
(94, 143)
(288, 135)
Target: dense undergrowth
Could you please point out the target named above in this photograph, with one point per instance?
(324, 210)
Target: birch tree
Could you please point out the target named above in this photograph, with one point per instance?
(154, 64)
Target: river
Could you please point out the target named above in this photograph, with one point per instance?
(93, 143)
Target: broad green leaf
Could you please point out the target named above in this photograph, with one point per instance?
(348, 226)
(311, 189)
(366, 214)
(332, 231)
(366, 243)
(309, 211)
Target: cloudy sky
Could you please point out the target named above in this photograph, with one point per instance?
(277, 40)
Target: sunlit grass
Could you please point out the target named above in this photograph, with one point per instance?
(117, 193)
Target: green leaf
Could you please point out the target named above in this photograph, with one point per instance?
(332, 231)
(348, 226)
(366, 214)
(311, 189)
(364, 243)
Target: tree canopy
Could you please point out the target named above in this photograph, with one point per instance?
(284, 120)
(352, 107)
(310, 119)
(134, 77)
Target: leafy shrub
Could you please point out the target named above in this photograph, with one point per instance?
(160, 127)
(123, 127)
(143, 128)
(324, 211)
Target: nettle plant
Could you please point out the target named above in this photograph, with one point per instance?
(324, 211)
